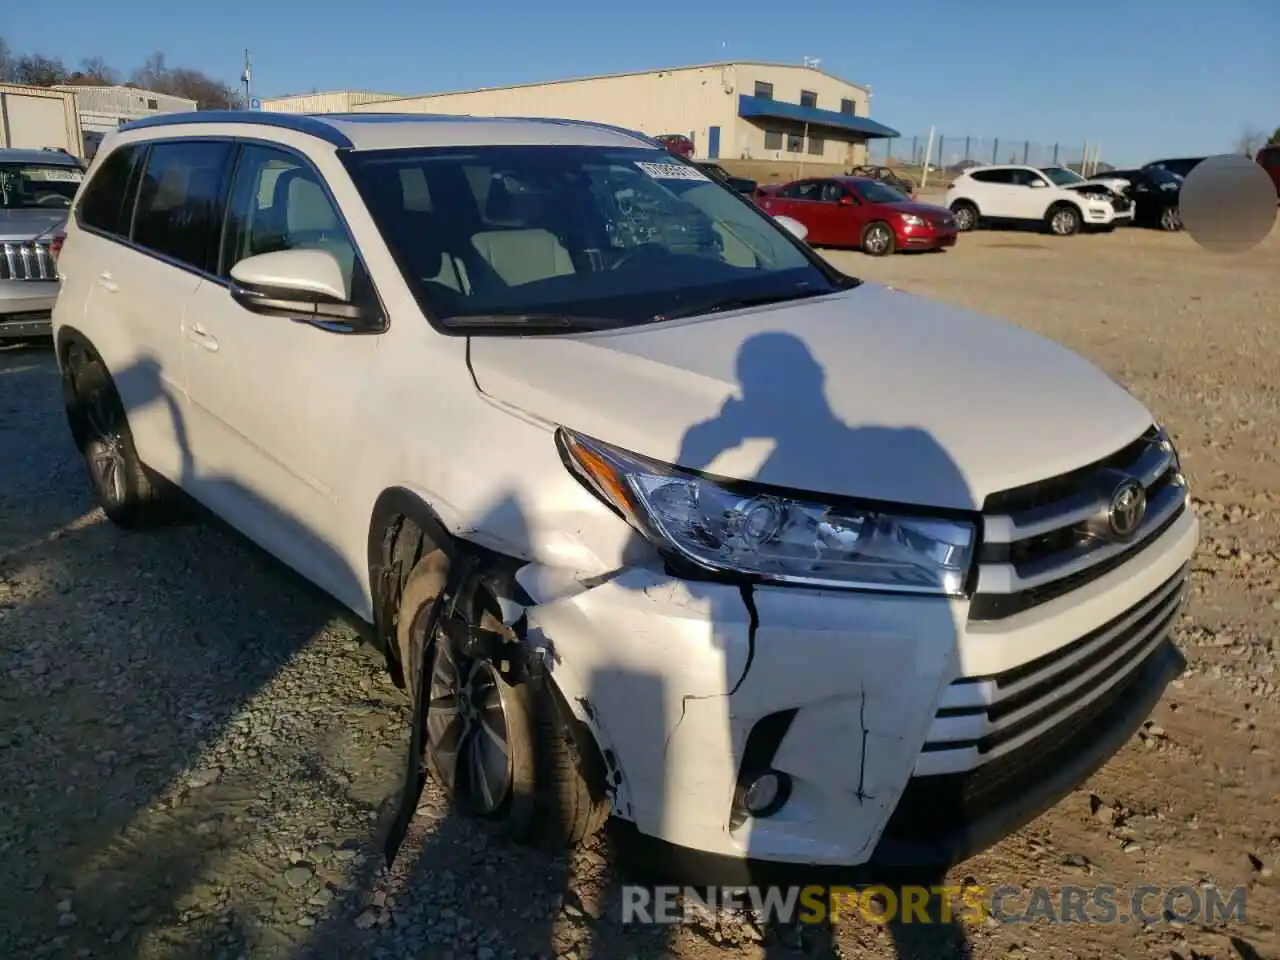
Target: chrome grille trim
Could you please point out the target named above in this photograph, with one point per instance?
(1047, 539)
(970, 728)
(27, 260)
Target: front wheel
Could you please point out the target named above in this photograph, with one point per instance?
(1170, 219)
(503, 751)
(1064, 220)
(878, 240)
(966, 215)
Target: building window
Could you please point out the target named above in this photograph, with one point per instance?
(808, 98)
(795, 143)
(153, 104)
(817, 145)
(772, 140)
(847, 107)
(764, 91)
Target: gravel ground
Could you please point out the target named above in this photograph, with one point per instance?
(195, 747)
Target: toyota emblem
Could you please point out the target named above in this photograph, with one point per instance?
(1128, 506)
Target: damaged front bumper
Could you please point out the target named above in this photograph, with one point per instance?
(863, 703)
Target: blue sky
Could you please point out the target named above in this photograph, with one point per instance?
(1139, 77)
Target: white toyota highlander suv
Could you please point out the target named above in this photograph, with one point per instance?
(1060, 199)
(653, 511)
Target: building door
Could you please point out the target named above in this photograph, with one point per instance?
(713, 143)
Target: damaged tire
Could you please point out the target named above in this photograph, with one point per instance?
(503, 749)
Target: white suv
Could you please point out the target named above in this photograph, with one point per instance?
(654, 512)
(1057, 197)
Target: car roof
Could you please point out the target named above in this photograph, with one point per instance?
(381, 131)
(52, 157)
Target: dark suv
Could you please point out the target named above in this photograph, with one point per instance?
(1268, 158)
(1179, 167)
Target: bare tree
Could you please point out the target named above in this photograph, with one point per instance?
(95, 71)
(38, 70)
(208, 93)
(1249, 141)
(7, 65)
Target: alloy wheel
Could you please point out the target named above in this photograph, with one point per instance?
(877, 240)
(1063, 223)
(1170, 219)
(106, 447)
(468, 731)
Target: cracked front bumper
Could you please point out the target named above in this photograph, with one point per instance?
(688, 685)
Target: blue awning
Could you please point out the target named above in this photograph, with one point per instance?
(759, 108)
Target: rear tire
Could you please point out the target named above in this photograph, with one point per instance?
(504, 753)
(878, 240)
(129, 493)
(966, 215)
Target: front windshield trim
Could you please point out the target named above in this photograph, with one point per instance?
(359, 163)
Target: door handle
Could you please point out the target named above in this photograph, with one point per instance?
(107, 282)
(204, 338)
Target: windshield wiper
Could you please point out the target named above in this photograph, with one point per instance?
(739, 303)
(532, 322)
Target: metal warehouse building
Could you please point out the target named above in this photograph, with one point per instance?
(104, 108)
(744, 110)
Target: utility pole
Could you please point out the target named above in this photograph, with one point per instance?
(247, 79)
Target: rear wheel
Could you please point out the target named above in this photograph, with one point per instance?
(966, 215)
(503, 751)
(878, 240)
(130, 494)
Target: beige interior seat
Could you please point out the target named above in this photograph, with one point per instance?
(523, 256)
(312, 223)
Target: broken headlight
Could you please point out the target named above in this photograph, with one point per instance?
(729, 527)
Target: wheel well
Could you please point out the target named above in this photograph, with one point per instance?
(1059, 204)
(69, 337)
(962, 203)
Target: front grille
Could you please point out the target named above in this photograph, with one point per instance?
(27, 260)
(1045, 539)
(1121, 204)
(981, 718)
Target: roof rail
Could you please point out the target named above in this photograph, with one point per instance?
(299, 122)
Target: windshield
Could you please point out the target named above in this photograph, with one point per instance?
(1163, 177)
(44, 186)
(619, 235)
(1061, 176)
(873, 191)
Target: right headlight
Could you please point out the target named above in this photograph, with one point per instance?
(736, 528)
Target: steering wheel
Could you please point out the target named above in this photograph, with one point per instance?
(641, 252)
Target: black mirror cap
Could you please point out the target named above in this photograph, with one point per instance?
(316, 309)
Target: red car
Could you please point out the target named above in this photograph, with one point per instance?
(678, 144)
(858, 212)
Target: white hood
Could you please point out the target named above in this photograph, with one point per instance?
(870, 393)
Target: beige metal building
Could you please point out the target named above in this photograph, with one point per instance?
(744, 110)
(35, 117)
(331, 101)
(105, 108)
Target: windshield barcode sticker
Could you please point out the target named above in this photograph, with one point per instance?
(61, 176)
(672, 171)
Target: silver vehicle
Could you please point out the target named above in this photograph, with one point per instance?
(36, 190)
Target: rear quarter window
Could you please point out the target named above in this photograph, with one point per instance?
(107, 199)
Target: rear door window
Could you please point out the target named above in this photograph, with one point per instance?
(181, 199)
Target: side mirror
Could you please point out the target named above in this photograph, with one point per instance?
(1036, 184)
(302, 285)
(845, 200)
(793, 227)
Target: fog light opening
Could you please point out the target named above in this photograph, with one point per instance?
(764, 795)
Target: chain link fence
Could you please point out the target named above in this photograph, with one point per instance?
(952, 153)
